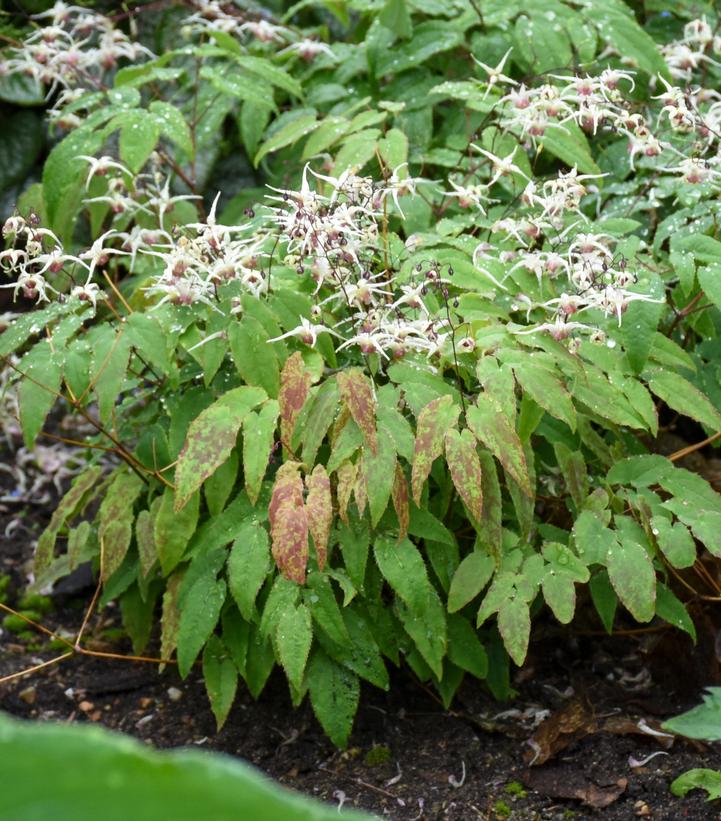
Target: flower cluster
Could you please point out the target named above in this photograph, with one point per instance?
(73, 50)
(213, 16)
(693, 50)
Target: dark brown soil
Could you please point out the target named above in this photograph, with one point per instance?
(408, 757)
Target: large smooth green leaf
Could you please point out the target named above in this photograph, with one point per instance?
(115, 778)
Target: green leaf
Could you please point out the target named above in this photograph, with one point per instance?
(334, 694)
(672, 610)
(258, 92)
(514, 625)
(321, 600)
(63, 177)
(354, 540)
(258, 438)
(378, 472)
(429, 38)
(200, 614)
(604, 599)
(221, 679)
(559, 591)
(471, 576)
(546, 389)
(320, 417)
(293, 637)
(697, 779)
(108, 367)
(248, 566)
(395, 17)
(675, 541)
(184, 784)
(683, 397)
(404, 569)
(265, 71)
(139, 134)
(173, 125)
(211, 437)
(640, 322)
(569, 144)
(218, 487)
(464, 648)
(38, 391)
(173, 530)
(703, 721)
(427, 627)
(21, 142)
(633, 578)
(621, 31)
(709, 278)
(254, 358)
(290, 133)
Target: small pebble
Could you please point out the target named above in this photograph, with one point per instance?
(86, 706)
(28, 695)
(174, 694)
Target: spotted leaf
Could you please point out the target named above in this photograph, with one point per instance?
(294, 387)
(357, 393)
(437, 417)
(465, 469)
(289, 523)
(319, 507)
(211, 437)
(399, 494)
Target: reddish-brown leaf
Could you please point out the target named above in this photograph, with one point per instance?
(360, 491)
(357, 393)
(434, 420)
(294, 388)
(289, 523)
(319, 506)
(400, 501)
(465, 468)
(346, 474)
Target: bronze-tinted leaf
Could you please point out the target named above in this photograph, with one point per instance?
(294, 386)
(437, 417)
(319, 506)
(346, 474)
(289, 523)
(360, 491)
(465, 469)
(400, 501)
(357, 393)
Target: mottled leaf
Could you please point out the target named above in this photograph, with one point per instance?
(401, 504)
(465, 468)
(211, 437)
(347, 474)
(289, 523)
(436, 418)
(379, 471)
(491, 427)
(319, 508)
(116, 520)
(514, 625)
(294, 387)
(173, 530)
(357, 392)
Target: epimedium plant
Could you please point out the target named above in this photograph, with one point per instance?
(386, 408)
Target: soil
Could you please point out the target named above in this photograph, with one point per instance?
(586, 700)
